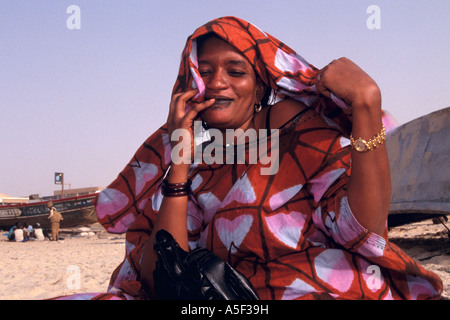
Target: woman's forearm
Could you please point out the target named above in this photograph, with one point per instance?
(369, 188)
(172, 217)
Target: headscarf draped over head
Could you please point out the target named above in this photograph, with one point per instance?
(276, 64)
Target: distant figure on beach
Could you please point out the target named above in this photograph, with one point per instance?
(55, 218)
(30, 230)
(26, 231)
(10, 234)
(18, 233)
(38, 233)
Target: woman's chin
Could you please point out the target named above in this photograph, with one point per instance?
(217, 118)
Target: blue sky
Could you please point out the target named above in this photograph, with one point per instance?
(82, 101)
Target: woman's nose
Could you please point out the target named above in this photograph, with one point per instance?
(217, 81)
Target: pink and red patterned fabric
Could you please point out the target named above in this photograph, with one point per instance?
(292, 234)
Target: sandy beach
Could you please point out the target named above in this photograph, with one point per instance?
(84, 260)
(429, 244)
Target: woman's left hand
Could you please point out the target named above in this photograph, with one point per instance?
(346, 80)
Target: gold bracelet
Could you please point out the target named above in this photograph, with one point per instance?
(362, 145)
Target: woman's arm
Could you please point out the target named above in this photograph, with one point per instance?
(369, 187)
(172, 215)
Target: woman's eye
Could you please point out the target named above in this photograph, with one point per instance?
(236, 73)
(204, 72)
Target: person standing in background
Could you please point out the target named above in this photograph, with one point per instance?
(55, 218)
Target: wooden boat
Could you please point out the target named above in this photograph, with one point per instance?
(419, 158)
(75, 211)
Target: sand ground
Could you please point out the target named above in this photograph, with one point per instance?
(36, 270)
(429, 244)
(84, 261)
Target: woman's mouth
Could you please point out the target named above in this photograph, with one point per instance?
(221, 102)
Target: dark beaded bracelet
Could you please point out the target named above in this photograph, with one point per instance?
(175, 189)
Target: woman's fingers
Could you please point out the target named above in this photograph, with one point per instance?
(195, 109)
(182, 117)
(178, 103)
(320, 83)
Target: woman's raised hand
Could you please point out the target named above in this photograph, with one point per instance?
(182, 114)
(346, 80)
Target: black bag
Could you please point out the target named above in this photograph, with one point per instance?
(195, 275)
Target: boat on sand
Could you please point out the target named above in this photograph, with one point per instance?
(419, 158)
(76, 211)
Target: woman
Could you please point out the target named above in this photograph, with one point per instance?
(313, 229)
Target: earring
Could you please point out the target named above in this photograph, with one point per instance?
(258, 107)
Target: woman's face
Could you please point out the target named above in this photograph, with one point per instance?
(231, 80)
